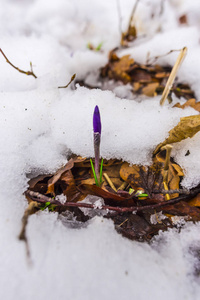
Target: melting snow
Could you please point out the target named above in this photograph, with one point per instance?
(40, 124)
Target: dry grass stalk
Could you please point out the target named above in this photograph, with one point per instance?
(172, 76)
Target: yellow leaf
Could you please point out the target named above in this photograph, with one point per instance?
(150, 89)
(187, 127)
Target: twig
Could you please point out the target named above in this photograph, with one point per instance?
(173, 75)
(109, 182)
(170, 192)
(32, 205)
(152, 60)
(72, 79)
(122, 223)
(16, 68)
(43, 199)
(22, 236)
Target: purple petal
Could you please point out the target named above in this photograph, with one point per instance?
(96, 120)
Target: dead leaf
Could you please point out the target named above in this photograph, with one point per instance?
(150, 89)
(128, 36)
(140, 177)
(61, 173)
(137, 86)
(175, 172)
(162, 75)
(39, 183)
(110, 198)
(195, 201)
(191, 102)
(140, 75)
(131, 174)
(183, 209)
(183, 19)
(187, 127)
(119, 69)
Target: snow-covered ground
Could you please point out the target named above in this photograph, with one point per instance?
(40, 124)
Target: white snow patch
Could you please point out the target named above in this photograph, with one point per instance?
(40, 124)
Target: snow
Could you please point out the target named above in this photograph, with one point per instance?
(40, 124)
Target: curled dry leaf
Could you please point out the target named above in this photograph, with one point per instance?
(63, 174)
(109, 197)
(187, 127)
(183, 209)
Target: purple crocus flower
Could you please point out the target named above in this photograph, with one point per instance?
(96, 120)
(97, 139)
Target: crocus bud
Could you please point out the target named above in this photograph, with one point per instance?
(96, 120)
(97, 139)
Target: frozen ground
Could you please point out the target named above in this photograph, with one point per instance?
(40, 124)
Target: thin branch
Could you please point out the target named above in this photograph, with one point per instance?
(32, 205)
(43, 199)
(72, 79)
(152, 60)
(16, 68)
(22, 236)
(170, 192)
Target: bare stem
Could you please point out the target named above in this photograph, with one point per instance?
(16, 68)
(97, 140)
(43, 199)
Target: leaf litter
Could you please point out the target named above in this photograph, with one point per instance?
(135, 217)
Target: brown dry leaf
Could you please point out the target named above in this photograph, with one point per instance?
(68, 187)
(174, 174)
(162, 75)
(151, 178)
(39, 183)
(173, 180)
(131, 174)
(187, 127)
(61, 173)
(195, 201)
(191, 102)
(147, 179)
(110, 198)
(140, 75)
(120, 68)
(183, 209)
(136, 86)
(150, 89)
(183, 19)
(128, 36)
